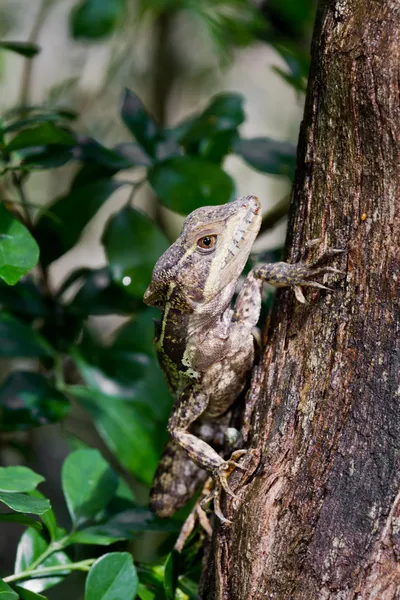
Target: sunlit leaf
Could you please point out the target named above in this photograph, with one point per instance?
(185, 183)
(19, 252)
(112, 576)
(132, 228)
(30, 548)
(18, 479)
(25, 503)
(88, 484)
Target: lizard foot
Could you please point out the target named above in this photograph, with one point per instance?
(220, 477)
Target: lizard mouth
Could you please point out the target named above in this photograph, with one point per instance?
(248, 224)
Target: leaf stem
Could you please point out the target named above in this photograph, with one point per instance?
(31, 573)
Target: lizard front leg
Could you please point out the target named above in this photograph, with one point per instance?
(192, 403)
(283, 274)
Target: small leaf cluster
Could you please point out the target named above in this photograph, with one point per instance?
(102, 511)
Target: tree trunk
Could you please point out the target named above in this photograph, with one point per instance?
(320, 518)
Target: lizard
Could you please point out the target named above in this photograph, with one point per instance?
(205, 347)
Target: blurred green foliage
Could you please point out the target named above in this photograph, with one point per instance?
(118, 384)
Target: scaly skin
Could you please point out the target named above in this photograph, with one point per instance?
(206, 348)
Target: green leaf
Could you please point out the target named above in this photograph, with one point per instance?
(70, 215)
(131, 228)
(46, 157)
(33, 120)
(112, 577)
(139, 122)
(18, 479)
(7, 593)
(144, 593)
(19, 252)
(29, 400)
(95, 19)
(21, 519)
(185, 183)
(88, 484)
(41, 135)
(25, 503)
(20, 340)
(48, 518)
(26, 49)
(31, 546)
(135, 154)
(124, 429)
(268, 155)
(89, 150)
(171, 572)
(25, 594)
(123, 526)
(224, 113)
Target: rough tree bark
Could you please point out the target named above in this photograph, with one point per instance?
(320, 518)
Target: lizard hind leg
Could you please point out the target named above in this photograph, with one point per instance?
(176, 480)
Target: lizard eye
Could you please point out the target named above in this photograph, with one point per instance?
(207, 242)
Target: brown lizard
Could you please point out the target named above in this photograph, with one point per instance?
(205, 347)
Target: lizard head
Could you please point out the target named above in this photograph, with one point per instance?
(208, 257)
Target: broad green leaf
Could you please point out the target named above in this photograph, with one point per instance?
(7, 593)
(20, 340)
(70, 215)
(188, 182)
(224, 113)
(112, 577)
(41, 135)
(21, 519)
(46, 157)
(25, 594)
(125, 430)
(33, 120)
(95, 19)
(268, 155)
(171, 572)
(26, 49)
(29, 400)
(132, 229)
(25, 503)
(88, 484)
(137, 335)
(31, 546)
(19, 252)
(139, 122)
(18, 479)
(123, 526)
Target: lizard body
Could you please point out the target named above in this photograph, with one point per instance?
(206, 348)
